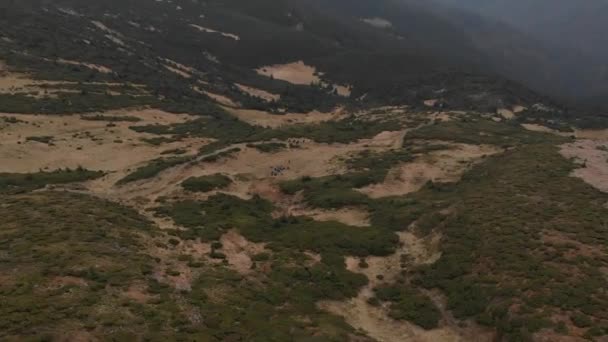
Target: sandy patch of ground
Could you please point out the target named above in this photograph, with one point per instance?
(377, 22)
(178, 68)
(255, 92)
(302, 74)
(374, 320)
(440, 166)
(112, 35)
(239, 251)
(96, 67)
(137, 293)
(177, 71)
(102, 148)
(351, 216)
(431, 102)
(208, 30)
(518, 109)
(310, 159)
(594, 156)
(295, 73)
(600, 134)
(265, 119)
(221, 99)
(342, 90)
(506, 113)
(59, 282)
(538, 128)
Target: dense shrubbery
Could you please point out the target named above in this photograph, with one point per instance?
(16, 182)
(153, 168)
(503, 209)
(209, 219)
(409, 304)
(270, 147)
(65, 258)
(206, 183)
(481, 131)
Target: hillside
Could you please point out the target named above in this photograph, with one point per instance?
(289, 170)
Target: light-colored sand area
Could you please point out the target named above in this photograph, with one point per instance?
(302, 74)
(593, 155)
(592, 134)
(377, 22)
(255, 92)
(265, 119)
(221, 99)
(510, 113)
(113, 35)
(295, 73)
(76, 142)
(440, 166)
(310, 159)
(177, 71)
(351, 216)
(96, 67)
(208, 30)
(374, 319)
(239, 251)
(178, 68)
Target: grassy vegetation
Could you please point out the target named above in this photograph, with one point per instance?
(407, 303)
(18, 182)
(208, 220)
(498, 253)
(482, 131)
(69, 103)
(206, 183)
(153, 168)
(229, 130)
(338, 191)
(271, 147)
(66, 258)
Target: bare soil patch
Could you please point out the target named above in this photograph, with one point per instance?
(593, 155)
(351, 216)
(296, 73)
(302, 74)
(76, 142)
(239, 251)
(221, 99)
(592, 134)
(440, 166)
(264, 95)
(208, 30)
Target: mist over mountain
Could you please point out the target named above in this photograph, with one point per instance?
(574, 30)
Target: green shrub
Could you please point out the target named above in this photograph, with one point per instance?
(409, 304)
(33, 181)
(206, 183)
(153, 168)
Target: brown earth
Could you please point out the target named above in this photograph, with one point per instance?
(593, 156)
(440, 166)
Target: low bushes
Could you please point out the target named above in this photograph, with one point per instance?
(206, 183)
